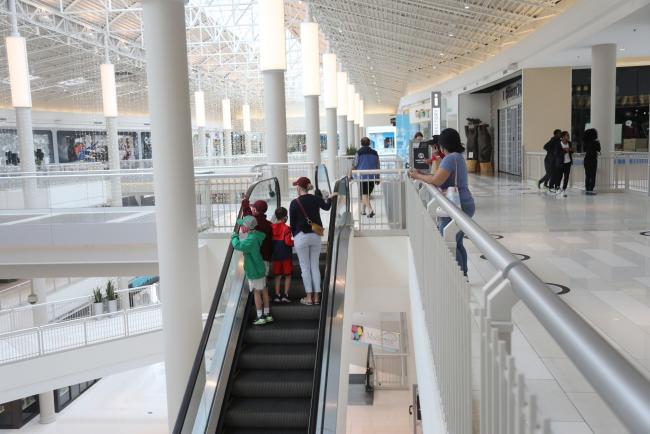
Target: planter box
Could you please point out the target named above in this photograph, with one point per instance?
(112, 306)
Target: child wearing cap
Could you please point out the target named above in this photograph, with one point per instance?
(254, 266)
(258, 210)
(282, 264)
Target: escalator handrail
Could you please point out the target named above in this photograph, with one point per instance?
(313, 414)
(198, 359)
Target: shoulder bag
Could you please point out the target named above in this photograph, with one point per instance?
(452, 194)
(315, 227)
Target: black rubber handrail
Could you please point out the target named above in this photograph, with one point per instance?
(198, 360)
(316, 385)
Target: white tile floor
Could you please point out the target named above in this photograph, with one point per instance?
(132, 402)
(388, 415)
(592, 245)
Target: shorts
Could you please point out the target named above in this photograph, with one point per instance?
(367, 187)
(258, 284)
(283, 268)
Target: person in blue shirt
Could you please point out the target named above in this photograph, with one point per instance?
(452, 173)
(366, 158)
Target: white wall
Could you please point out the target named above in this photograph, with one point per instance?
(212, 253)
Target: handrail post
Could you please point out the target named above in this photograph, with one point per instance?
(499, 298)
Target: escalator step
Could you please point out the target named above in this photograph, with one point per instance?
(271, 414)
(289, 357)
(273, 384)
(266, 431)
(292, 312)
(283, 332)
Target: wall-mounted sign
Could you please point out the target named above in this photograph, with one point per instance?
(512, 91)
(436, 112)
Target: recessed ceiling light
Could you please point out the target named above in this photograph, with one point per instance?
(442, 54)
(451, 35)
(622, 49)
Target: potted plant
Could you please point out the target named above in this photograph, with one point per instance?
(350, 151)
(111, 296)
(98, 301)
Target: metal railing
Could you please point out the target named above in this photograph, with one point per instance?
(69, 309)
(344, 163)
(387, 200)
(628, 171)
(625, 390)
(445, 299)
(63, 336)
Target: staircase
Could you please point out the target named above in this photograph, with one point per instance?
(272, 377)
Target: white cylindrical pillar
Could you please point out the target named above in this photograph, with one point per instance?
(332, 141)
(275, 121)
(46, 408)
(312, 127)
(273, 63)
(200, 120)
(114, 161)
(246, 121)
(27, 158)
(309, 39)
(603, 106)
(351, 135)
(330, 87)
(227, 144)
(342, 126)
(171, 126)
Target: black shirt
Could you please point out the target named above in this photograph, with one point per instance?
(312, 205)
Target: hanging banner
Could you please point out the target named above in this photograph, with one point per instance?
(436, 113)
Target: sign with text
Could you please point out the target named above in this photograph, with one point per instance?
(436, 113)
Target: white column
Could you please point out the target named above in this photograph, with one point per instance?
(330, 87)
(45, 399)
(342, 111)
(114, 160)
(246, 121)
(21, 99)
(351, 135)
(351, 117)
(309, 39)
(227, 144)
(171, 127)
(227, 127)
(46, 408)
(603, 105)
(199, 114)
(273, 63)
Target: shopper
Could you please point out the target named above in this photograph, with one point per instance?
(366, 158)
(563, 159)
(282, 264)
(250, 244)
(592, 150)
(258, 210)
(548, 159)
(305, 221)
(452, 173)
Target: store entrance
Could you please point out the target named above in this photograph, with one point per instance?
(509, 149)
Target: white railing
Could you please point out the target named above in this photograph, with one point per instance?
(387, 199)
(628, 171)
(25, 317)
(287, 173)
(621, 385)
(445, 297)
(391, 371)
(58, 337)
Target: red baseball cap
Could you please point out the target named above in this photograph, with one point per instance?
(261, 206)
(303, 182)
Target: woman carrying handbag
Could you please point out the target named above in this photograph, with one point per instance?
(307, 229)
(451, 177)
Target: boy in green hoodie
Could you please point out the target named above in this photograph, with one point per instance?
(249, 242)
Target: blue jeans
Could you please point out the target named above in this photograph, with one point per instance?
(461, 254)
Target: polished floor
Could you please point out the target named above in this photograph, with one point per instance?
(594, 246)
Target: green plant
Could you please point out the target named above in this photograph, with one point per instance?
(351, 150)
(97, 295)
(110, 291)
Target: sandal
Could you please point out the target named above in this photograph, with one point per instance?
(306, 302)
(371, 215)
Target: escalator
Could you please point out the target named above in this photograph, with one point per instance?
(278, 377)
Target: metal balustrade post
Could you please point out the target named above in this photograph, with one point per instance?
(499, 300)
(512, 402)
(85, 333)
(532, 414)
(503, 388)
(521, 404)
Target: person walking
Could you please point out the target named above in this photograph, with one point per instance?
(366, 158)
(452, 173)
(548, 159)
(307, 229)
(592, 150)
(563, 159)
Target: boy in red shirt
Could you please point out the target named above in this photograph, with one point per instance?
(282, 255)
